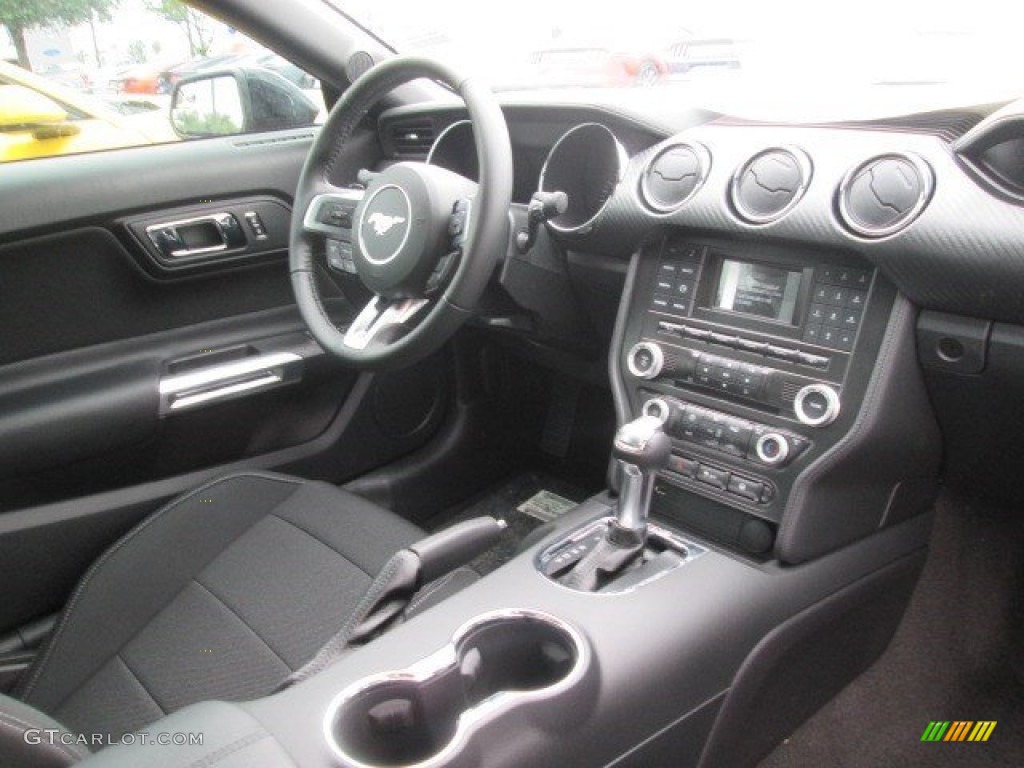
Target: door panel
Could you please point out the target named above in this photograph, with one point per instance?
(126, 379)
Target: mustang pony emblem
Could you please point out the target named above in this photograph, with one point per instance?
(382, 223)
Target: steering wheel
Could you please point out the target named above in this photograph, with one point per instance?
(422, 239)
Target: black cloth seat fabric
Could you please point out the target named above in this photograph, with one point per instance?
(219, 595)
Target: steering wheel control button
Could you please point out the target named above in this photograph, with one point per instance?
(816, 405)
(336, 214)
(458, 224)
(645, 360)
(772, 448)
(339, 256)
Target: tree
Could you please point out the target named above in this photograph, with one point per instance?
(21, 15)
(189, 19)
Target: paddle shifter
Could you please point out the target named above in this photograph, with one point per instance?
(642, 448)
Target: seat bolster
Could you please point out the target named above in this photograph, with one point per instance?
(30, 739)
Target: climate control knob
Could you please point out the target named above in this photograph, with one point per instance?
(658, 408)
(817, 405)
(645, 360)
(772, 448)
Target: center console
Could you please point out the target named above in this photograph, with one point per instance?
(757, 360)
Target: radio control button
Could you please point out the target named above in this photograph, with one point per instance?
(688, 271)
(816, 405)
(722, 375)
(684, 288)
(858, 278)
(812, 333)
(664, 285)
(837, 297)
(645, 360)
(660, 303)
(680, 307)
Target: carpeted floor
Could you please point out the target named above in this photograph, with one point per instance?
(501, 502)
(958, 655)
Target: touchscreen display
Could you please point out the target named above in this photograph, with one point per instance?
(758, 289)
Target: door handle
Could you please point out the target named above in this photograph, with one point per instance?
(211, 233)
(214, 383)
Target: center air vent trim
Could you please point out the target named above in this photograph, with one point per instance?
(884, 194)
(673, 176)
(411, 137)
(770, 184)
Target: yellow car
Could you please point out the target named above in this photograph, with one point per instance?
(39, 118)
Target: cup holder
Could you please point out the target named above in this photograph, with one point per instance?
(423, 715)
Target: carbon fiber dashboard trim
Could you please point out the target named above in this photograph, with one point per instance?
(962, 255)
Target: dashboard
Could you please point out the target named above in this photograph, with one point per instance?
(777, 290)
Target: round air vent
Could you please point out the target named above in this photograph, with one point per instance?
(673, 175)
(883, 195)
(770, 183)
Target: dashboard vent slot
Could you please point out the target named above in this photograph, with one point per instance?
(769, 184)
(789, 391)
(885, 194)
(673, 176)
(412, 138)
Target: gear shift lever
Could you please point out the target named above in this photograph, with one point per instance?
(642, 448)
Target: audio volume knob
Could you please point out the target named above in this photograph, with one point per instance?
(658, 408)
(772, 448)
(645, 360)
(817, 405)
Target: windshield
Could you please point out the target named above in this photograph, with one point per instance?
(783, 58)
